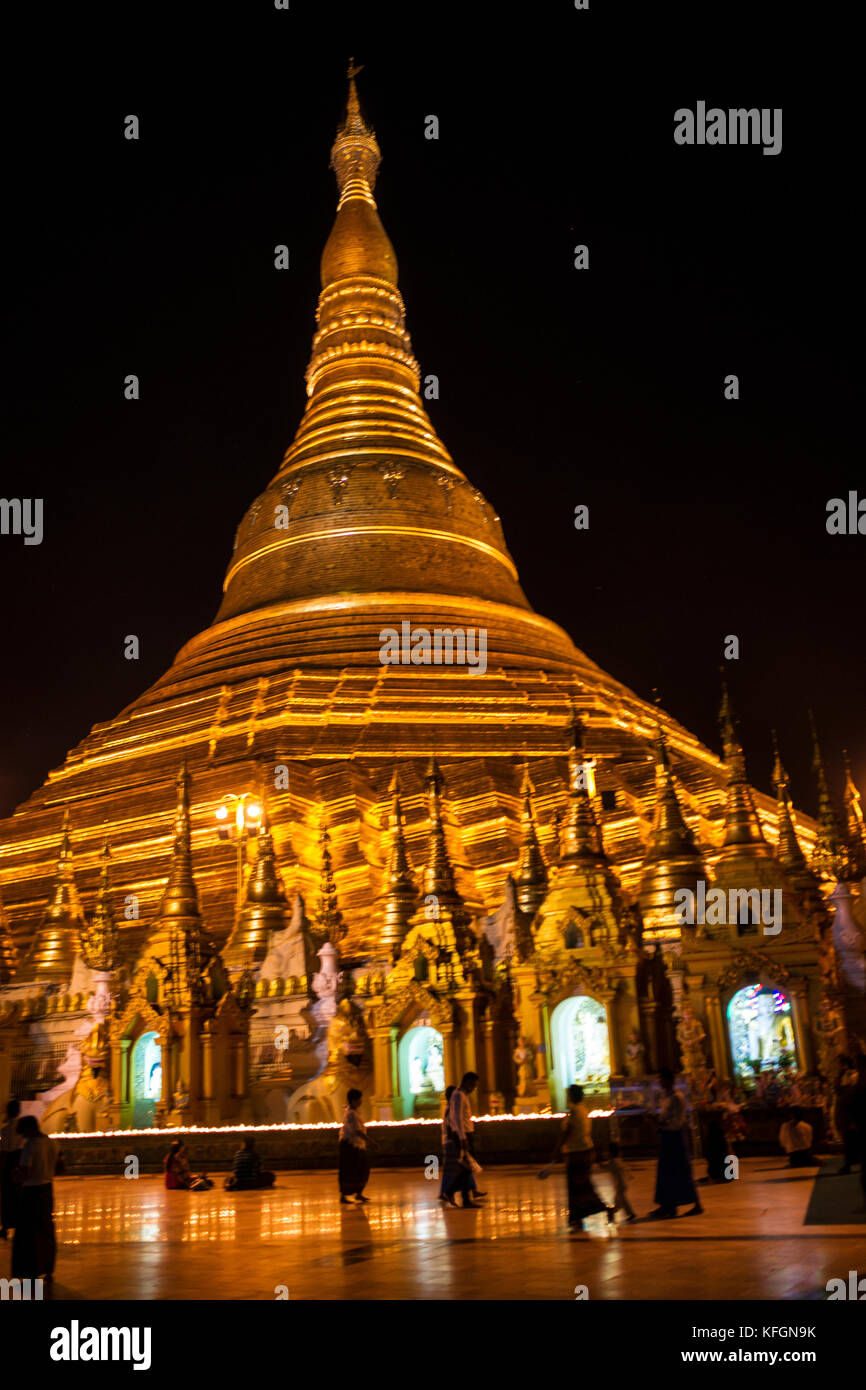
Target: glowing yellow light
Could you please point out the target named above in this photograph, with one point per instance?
(222, 812)
(254, 810)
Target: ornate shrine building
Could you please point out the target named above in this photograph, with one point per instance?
(293, 865)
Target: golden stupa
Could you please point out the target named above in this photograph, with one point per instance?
(367, 526)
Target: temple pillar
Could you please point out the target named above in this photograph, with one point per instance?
(719, 1055)
(606, 997)
(542, 1043)
(489, 1060)
(450, 1053)
(382, 1100)
(207, 1073)
(648, 1009)
(802, 1024)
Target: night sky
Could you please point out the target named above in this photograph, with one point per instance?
(558, 387)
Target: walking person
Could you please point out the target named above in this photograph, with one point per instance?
(459, 1148)
(618, 1171)
(575, 1142)
(675, 1186)
(354, 1163)
(34, 1248)
(11, 1144)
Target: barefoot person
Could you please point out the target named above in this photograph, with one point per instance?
(354, 1161)
(575, 1142)
(675, 1185)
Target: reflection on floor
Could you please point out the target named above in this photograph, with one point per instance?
(129, 1238)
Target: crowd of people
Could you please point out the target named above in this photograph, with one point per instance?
(29, 1158)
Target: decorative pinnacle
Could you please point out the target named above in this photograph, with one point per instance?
(531, 877)
(830, 854)
(355, 155)
(581, 837)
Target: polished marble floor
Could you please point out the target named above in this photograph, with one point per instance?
(130, 1238)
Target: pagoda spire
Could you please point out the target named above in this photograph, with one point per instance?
(742, 825)
(329, 919)
(399, 896)
(52, 952)
(99, 937)
(177, 940)
(180, 896)
(8, 949)
(830, 856)
(438, 872)
(580, 834)
(854, 820)
(791, 855)
(264, 907)
(531, 876)
(673, 860)
(366, 476)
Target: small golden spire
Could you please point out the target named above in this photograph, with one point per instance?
(264, 906)
(830, 855)
(329, 919)
(52, 952)
(791, 855)
(531, 876)
(581, 836)
(99, 938)
(399, 897)
(854, 820)
(673, 860)
(742, 825)
(438, 872)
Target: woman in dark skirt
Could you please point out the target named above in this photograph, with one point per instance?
(675, 1186)
(576, 1142)
(10, 1152)
(354, 1164)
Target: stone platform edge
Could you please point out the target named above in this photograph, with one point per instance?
(500, 1139)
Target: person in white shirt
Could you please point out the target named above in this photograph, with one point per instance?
(795, 1137)
(34, 1249)
(457, 1176)
(354, 1163)
(11, 1144)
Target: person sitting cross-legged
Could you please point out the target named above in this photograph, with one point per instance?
(247, 1170)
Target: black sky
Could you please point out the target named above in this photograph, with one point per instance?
(558, 387)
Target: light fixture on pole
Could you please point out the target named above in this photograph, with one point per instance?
(237, 823)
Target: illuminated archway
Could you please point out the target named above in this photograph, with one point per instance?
(420, 1058)
(581, 1047)
(146, 1080)
(761, 1029)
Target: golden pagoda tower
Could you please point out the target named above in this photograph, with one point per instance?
(368, 526)
(52, 952)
